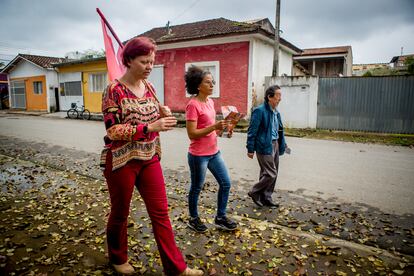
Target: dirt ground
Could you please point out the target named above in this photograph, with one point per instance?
(54, 204)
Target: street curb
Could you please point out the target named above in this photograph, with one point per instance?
(352, 246)
(24, 113)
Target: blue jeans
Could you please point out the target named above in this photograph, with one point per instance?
(198, 167)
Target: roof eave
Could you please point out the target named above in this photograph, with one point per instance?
(319, 56)
(60, 64)
(171, 41)
(10, 64)
(269, 37)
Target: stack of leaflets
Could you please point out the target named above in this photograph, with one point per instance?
(232, 117)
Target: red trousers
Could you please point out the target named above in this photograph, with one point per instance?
(148, 178)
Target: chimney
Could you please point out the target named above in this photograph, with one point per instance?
(168, 28)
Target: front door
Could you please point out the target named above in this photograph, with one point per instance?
(57, 99)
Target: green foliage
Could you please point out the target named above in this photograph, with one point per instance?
(86, 54)
(409, 62)
(367, 74)
(383, 72)
(406, 140)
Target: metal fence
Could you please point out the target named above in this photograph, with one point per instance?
(375, 104)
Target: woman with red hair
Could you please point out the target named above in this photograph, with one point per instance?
(133, 119)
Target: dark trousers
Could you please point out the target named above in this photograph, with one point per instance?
(269, 168)
(148, 178)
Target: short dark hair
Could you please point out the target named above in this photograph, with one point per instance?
(193, 78)
(138, 46)
(270, 92)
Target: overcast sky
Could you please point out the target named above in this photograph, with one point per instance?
(376, 29)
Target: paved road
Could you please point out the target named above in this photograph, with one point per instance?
(379, 176)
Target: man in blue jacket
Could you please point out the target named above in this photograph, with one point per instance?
(265, 136)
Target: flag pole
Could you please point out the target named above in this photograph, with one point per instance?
(122, 47)
(109, 27)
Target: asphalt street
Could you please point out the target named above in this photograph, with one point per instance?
(378, 176)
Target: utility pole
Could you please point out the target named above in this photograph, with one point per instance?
(275, 72)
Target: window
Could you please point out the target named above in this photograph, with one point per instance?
(214, 68)
(37, 87)
(97, 82)
(70, 88)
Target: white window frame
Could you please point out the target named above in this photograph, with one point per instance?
(216, 75)
(64, 90)
(38, 87)
(92, 84)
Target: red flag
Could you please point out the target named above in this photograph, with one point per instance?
(113, 50)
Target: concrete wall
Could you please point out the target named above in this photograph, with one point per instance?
(26, 69)
(285, 63)
(299, 103)
(262, 66)
(233, 59)
(51, 83)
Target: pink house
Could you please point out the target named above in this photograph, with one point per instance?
(238, 54)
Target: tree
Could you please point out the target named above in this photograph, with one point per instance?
(367, 74)
(86, 54)
(409, 62)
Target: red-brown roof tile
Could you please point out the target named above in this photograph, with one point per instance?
(400, 58)
(212, 28)
(43, 61)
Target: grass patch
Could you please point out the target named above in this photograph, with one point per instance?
(406, 140)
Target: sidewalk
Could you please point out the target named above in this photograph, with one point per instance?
(57, 115)
(54, 208)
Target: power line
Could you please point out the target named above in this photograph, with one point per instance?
(185, 10)
(8, 48)
(6, 55)
(16, 47)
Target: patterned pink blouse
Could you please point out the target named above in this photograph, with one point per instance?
(125, 116)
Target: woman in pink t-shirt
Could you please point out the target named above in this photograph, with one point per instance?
(203, 152)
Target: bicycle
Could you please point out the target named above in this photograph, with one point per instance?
(74, 112)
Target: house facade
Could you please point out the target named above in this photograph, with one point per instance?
(33, 83)
(82, 82)
(324, 62)
(361, 69)
(4, 92)
(238, 54)
(399, 62)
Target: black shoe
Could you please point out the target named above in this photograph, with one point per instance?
(270, 204)
(255, 200)
(225, 223)
(197, 225)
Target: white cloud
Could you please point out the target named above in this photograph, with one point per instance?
(376, 29)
